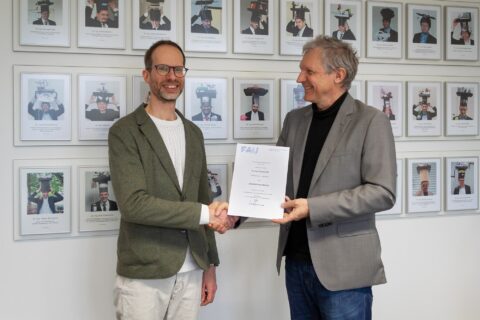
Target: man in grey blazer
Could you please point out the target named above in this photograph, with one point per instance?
(342, 170)
(166, 252)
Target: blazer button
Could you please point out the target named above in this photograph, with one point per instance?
(322, 225)
(183, 231)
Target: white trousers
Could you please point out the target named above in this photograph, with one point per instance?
(177, 297)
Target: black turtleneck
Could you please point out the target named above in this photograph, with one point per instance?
(322, 121)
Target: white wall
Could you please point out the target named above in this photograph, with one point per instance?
(432, 262)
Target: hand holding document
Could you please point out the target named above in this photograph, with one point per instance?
(259, 181)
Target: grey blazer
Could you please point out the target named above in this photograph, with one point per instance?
(354, 177)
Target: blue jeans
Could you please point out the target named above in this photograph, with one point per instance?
(310, 300)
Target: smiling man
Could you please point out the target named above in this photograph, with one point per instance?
(166, 252)
(342, 171)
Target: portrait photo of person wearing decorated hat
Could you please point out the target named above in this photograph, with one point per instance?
(44, 13)
(298, 26)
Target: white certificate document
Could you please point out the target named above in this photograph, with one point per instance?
(259, 181)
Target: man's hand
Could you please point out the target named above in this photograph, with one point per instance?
(209, 286)
(218, 217)
(295, 210)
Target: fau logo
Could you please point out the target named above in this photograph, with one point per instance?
(249, 149)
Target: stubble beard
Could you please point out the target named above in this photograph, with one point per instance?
(164, 96)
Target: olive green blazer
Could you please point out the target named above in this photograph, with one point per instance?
(158, 219)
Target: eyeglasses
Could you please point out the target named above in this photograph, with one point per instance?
(164, 69)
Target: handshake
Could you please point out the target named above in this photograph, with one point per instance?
(219, 220)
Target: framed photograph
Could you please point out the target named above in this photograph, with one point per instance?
(462, 109)
(253, 108)
(253, 27)
(45, 106)
(153, 21)
(462, 183)
(45, 23)
(298, 24)
(397, 208)
(101, 102)
(140, 93)
(424, 109)
(101, 24)
(384, 29)
(218, 181)
(343, 20)
(44, 200)
(206, 26)
(387, 96)
(461, 37)
(424, 32)
(424, 185)
(357, 90)
(292, 94)
(206, 105)
(98, 206)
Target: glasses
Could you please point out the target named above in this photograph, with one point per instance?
(164, 69)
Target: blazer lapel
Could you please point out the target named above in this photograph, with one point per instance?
(336, 132)
(299, 143)
(151, 133)
(191, 154)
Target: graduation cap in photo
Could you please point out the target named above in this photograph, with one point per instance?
(45, 183)
(255, 92)
(101, 179)
(299, 12)
(425, 18)
(258, 7)
(464, 19)
(43, 94)
(386, 97)
(423, 169)
(206, 93)
(424, 95)
(102, 94)
(387, 14)
(464, 94)
(342, 16)
(44, 5)
(101, 5)
(461, 168)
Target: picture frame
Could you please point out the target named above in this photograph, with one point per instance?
(206, 105)
(218, 180)
(462, 108)
(461, 192)
(424, 188)
(424, 109)
(101, 102)
(45, 25)
(397, 207)
(461, 35)
(384, 30)
(387, 96)
(101, 26)
(206, 26)
(357, 90)
(249, 18)
(247, 94)
(424, 43)
(343, 20)
(45, 107)
(152, 22)
(140, 93)
(44, 198)
(98, 208)
(292, 94)
(298, 24)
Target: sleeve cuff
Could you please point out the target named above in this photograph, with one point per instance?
(204, 215)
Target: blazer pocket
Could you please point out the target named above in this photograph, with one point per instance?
(356, 228)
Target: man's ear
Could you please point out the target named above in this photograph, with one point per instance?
(340, 75)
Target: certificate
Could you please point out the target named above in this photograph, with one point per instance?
(259, 181)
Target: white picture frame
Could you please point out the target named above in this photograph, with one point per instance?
(90, 34)
(432, 49)
(45, 107)
(55, 32)
(94, 120)
(292, 38)
(462, 120)
(244, 126)
(461, 192)
(214, 125)
(218, 180)
(456, 47)
(146, 29)
(384, 30)
(428, 198)
(354, 33)
(203, 34)
(244, 41)
(421, 121)
(292, 94)
(387, 96)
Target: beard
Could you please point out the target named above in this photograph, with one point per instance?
(158, 90)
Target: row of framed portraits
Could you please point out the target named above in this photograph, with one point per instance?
(254, 31)
(51, 200)
(77, 198)
(48, 106)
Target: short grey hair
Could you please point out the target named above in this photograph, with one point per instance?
(335, 54)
